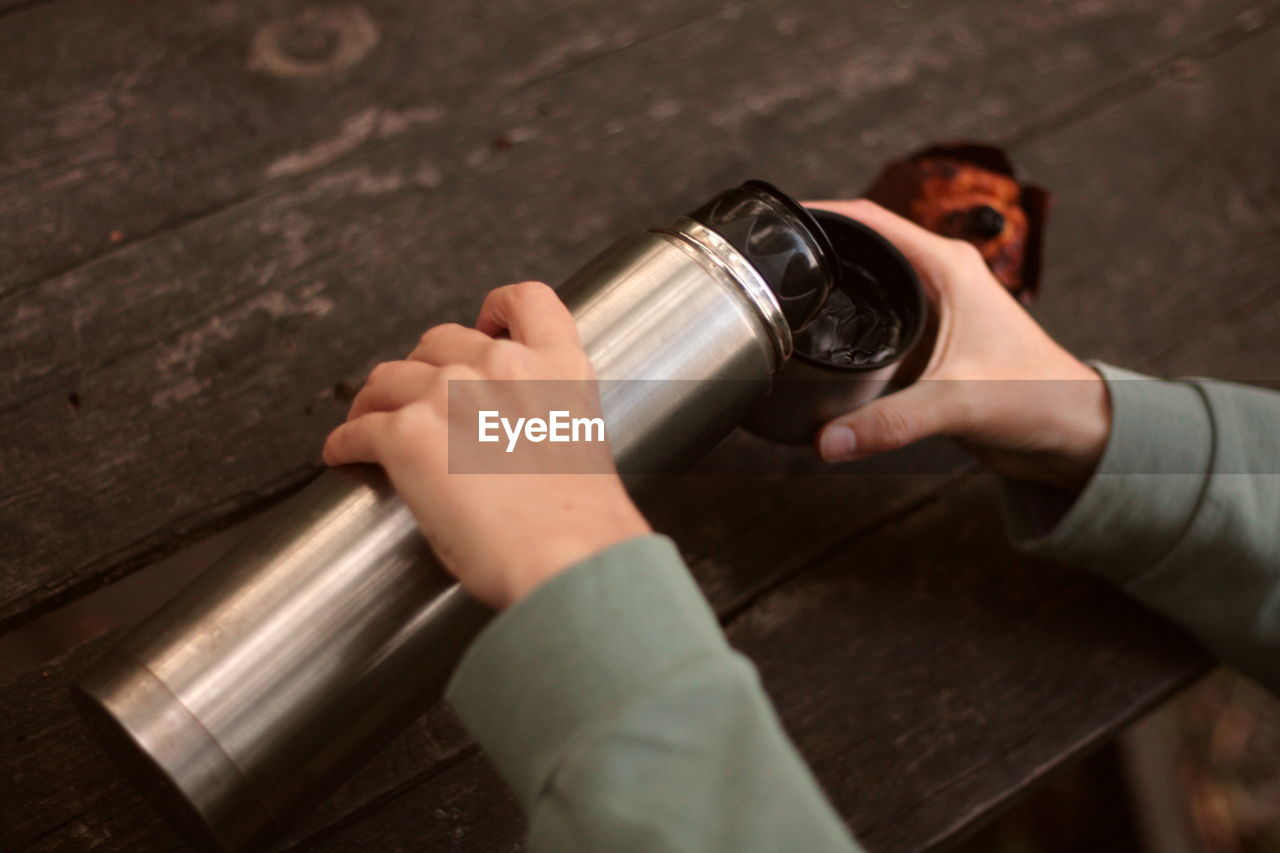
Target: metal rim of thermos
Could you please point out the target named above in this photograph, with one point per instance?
(738, 271)
(143, 723)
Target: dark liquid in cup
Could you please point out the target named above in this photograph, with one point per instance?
(860, 325)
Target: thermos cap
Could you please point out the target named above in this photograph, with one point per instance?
(781, 240)
(891, 317)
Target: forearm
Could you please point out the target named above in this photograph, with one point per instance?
(1183, 512)
(611, 702)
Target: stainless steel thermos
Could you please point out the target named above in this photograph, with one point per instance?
(259, 687)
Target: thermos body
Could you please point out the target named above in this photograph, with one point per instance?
(253, 693)
(682, 342)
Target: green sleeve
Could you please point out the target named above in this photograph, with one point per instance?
(612, 704)
(1183, 512)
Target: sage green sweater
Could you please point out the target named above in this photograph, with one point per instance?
(612, 704)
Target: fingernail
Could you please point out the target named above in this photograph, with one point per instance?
(837, 443)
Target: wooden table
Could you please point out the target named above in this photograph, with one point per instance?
(215, 217)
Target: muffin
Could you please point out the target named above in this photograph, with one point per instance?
(970, 192)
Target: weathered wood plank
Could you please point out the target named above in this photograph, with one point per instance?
(1165, 237)
(59, 790)
(125, 118)
(468, 808)
(186, 379)
(928, 673)
(9, 6)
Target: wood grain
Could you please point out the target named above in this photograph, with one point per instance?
(207, 361)
(929, 674)
(124, 119)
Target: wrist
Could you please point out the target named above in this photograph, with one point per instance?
(1085, 427)
(1048, 430)
(564, 549)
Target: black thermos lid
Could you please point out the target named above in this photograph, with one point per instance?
(782, 241)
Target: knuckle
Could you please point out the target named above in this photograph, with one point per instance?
(434, 333)
(407, 428)
(964, 252)
(343, 439)
(893, 426)
(533, 288)
(451, 372)
(859, 205)
(503, 358)
(379, 372)
(529, 292)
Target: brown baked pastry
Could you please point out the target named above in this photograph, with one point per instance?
(970, 192)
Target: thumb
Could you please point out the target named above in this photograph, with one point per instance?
(885, 424)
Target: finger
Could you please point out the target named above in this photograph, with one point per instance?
(923, 249)
(392, 385)
(532, 313)
(889, 423)
(450, 343)
(356, 441)
(917, 243)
